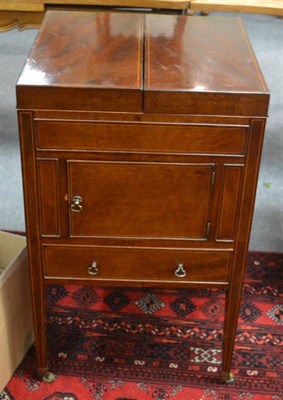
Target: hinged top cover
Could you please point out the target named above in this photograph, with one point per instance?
(85, 61)
(143, 63)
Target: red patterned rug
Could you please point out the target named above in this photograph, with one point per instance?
(138, 344)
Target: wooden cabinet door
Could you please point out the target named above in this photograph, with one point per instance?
(139, 199)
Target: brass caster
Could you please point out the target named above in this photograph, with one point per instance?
(227, 377)
(49, 377)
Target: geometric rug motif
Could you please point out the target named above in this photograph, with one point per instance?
(249, 312)
(55, 293)
(149, 303)
(213, 308)
(276, 314)
(5, 395)
(206, 355)
(182, 306)
(117, 300)
(85, 296)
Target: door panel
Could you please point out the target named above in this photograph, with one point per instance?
(138, 199)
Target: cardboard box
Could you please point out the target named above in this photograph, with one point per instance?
(16, 326)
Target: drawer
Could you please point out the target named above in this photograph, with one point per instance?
(142, 137)
(124, 264)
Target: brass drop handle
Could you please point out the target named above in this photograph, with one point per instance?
(76, 205)
(180, 271)
(93, 269)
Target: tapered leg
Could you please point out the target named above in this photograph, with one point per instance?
(39, 314)
(29, 168)
(39, 311)
(233, 299)
(238, 268)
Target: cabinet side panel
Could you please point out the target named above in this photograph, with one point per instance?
(48, 194)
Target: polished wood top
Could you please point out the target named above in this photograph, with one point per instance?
(85, 61)
(200, 54)
(201, 65)
(143, 63)
(77, 49)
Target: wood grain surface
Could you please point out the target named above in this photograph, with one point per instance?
(132, 62)
(141, 139)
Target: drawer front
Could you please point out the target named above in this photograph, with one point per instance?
(136, 264)
(142, 137)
